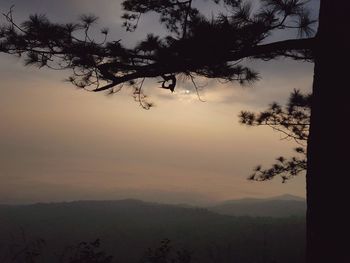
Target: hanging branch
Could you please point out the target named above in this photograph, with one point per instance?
(103, 65)
(293, 122)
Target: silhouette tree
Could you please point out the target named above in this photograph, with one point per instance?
(25, 251)
(165, 254)
(86, 252)
(215, 48)
(107, 65)
(293, 123)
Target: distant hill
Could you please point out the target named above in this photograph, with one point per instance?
(127, 228)
(280, 206)
(287, 197)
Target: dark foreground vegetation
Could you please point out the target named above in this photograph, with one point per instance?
(134, 231)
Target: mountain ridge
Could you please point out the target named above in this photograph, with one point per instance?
(130, 227)
(278, 206)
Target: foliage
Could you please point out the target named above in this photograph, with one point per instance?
(293, 122)
(86, 252)
(90, 252)
(163, 254)
(32, 252)
(194, 46)
(25, 251)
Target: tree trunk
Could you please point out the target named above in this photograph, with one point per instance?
(328, 175)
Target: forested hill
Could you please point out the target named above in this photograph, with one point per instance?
(128, 227)
(280, 206)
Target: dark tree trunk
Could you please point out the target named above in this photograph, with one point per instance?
(328, 175)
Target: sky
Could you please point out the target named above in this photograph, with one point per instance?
(59, 143)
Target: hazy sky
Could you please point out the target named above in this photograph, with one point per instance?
(58, 143)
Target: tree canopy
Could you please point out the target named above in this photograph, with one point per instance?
(195, 45)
